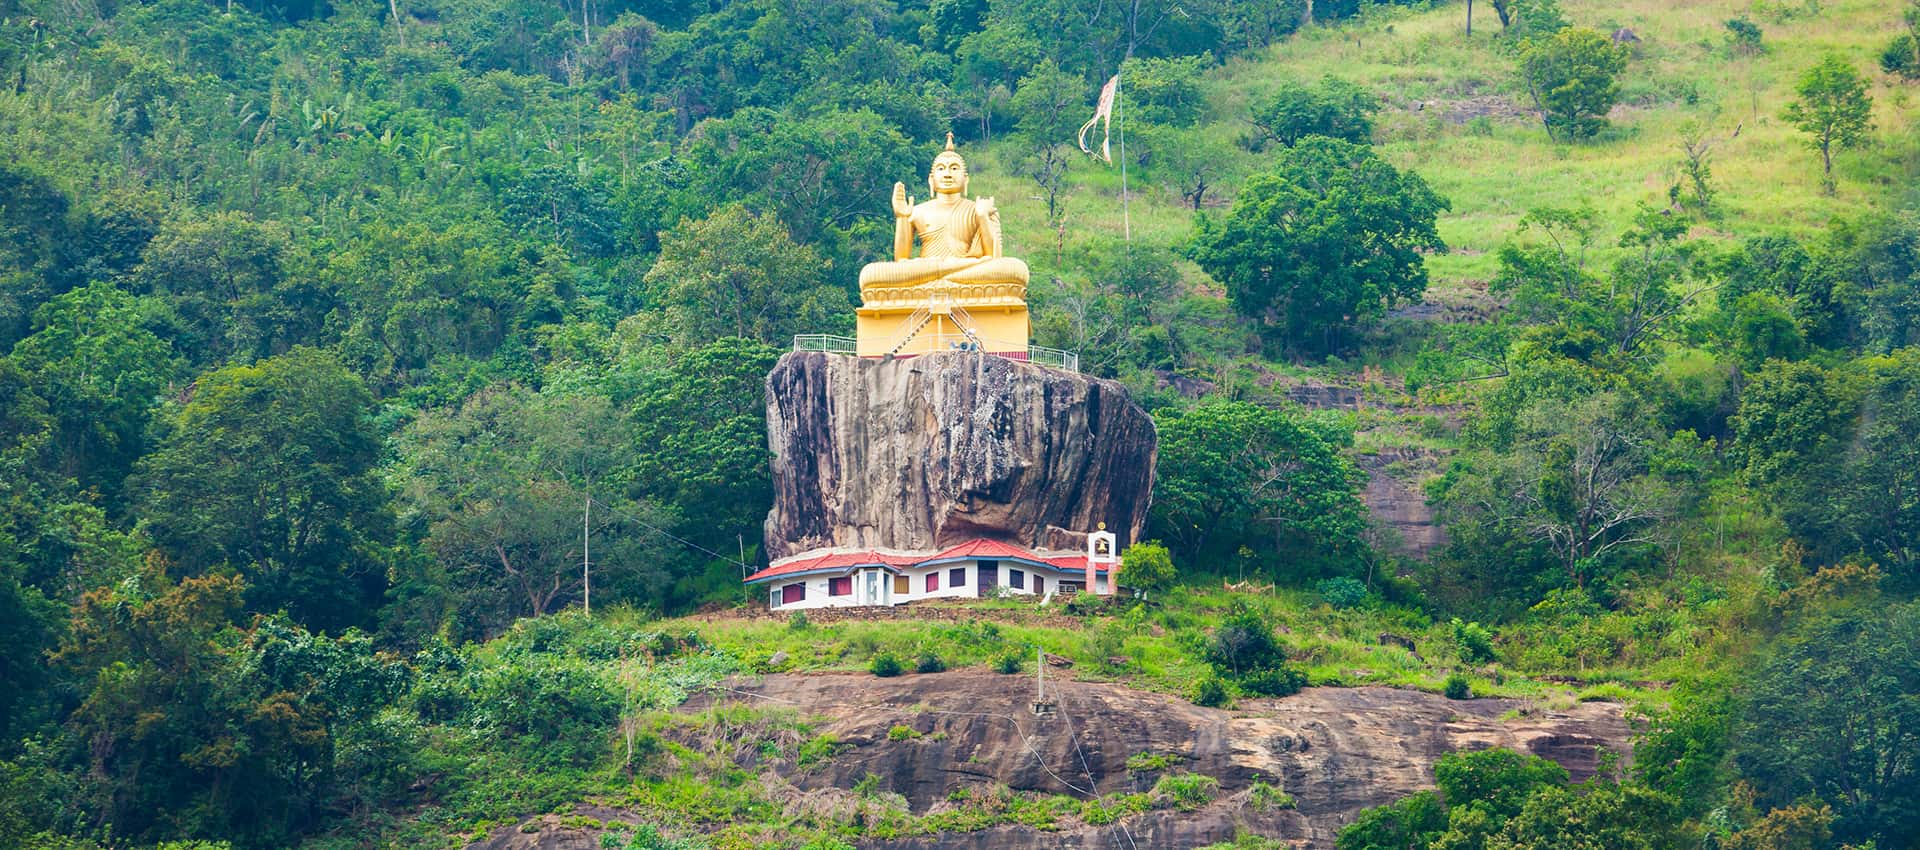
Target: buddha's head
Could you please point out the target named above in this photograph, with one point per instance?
(949, 172)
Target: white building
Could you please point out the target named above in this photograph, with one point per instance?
(842, 579)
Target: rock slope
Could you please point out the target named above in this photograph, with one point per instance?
(1335, 750)
(922, 453)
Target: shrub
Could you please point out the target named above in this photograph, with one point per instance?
(1902, 57)
(1571, 75)
(1186, 791)
(1147, 567)
(1333, 108)
(902, 733)
(798, 622)
(1458, 688)
(1277, 682)
(1473, 642)
(1342, 592)
(1743, 36)
(816, 751)
(1007, 662)
(1149, 762)
(929, 663)
(1266, 798)
(884, 665)
(1210, 691)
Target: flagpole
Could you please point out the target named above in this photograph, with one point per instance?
(1126, 207)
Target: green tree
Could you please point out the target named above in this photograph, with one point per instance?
(1235, 473)
(1411, 823)
(1835, 714)
(1332, 236)
(101, 373)
(1571, 76)
(1833, 108)
(736, 274)
(1047, 107)
(1148, 568)
(1601, 815)
(515, 495)
(254, 735)
(699, 434)
(224, 280)
(1333, 107)
(270, 469)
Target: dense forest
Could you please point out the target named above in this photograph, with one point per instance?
(335, 331)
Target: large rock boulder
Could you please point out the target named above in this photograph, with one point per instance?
(926, 452)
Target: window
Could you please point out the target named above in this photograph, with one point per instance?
(933, 581)
(796, 592)
(957, 577)
(842, 586)
(1017, 579)
(902, 585)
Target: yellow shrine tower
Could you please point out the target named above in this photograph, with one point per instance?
(961, 293)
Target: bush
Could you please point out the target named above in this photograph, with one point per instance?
(884, 665)
(1342, 592)
(1473, 642)
(1007, 662)
(1571, 75)
(798, 622)
(929, 663)
(1902, 57)
(902, 733)
(1457, 687)
(1333, 108)
(1147, 567)
(817, 751)
(1186, 791)
(1743, 36)
(1277, 682)
(1210, 691)
(1262, 797)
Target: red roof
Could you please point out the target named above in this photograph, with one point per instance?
(983, 549)
(836, 560)
(970, 550)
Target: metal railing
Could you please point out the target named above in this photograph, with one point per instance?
(828, 343)
(1036, 354)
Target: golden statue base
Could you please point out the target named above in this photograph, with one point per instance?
(942, 316)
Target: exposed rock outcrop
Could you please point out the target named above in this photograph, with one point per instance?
(922, 453)
(1335, 750)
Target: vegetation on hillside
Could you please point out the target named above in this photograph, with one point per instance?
(349, 346)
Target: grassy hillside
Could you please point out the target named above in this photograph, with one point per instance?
(1457, 113)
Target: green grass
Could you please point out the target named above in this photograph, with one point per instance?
(1495, 169)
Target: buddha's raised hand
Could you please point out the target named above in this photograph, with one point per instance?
(902, 202)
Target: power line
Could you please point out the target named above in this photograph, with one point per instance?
(670, 535)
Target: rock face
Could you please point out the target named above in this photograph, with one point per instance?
(1335, 750)
(926, 452)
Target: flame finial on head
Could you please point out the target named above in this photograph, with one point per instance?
(949, 141)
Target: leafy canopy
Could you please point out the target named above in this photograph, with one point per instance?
(1332, 235)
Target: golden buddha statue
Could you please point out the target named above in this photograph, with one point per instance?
(961, 291)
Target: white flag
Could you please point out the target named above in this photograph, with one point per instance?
(1102, 115)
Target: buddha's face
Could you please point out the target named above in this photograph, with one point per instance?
(948, 175)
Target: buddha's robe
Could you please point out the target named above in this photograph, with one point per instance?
(952, 247)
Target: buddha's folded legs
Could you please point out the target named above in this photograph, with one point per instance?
(957, 269)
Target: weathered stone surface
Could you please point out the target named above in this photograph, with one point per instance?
(1335, 750)
(934, 450)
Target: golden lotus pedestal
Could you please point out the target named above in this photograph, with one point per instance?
(942, 316)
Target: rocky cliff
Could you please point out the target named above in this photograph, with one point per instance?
(925, 452)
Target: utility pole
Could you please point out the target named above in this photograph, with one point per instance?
(586, 559)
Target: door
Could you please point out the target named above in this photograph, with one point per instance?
(989, 577)
(873, 588)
